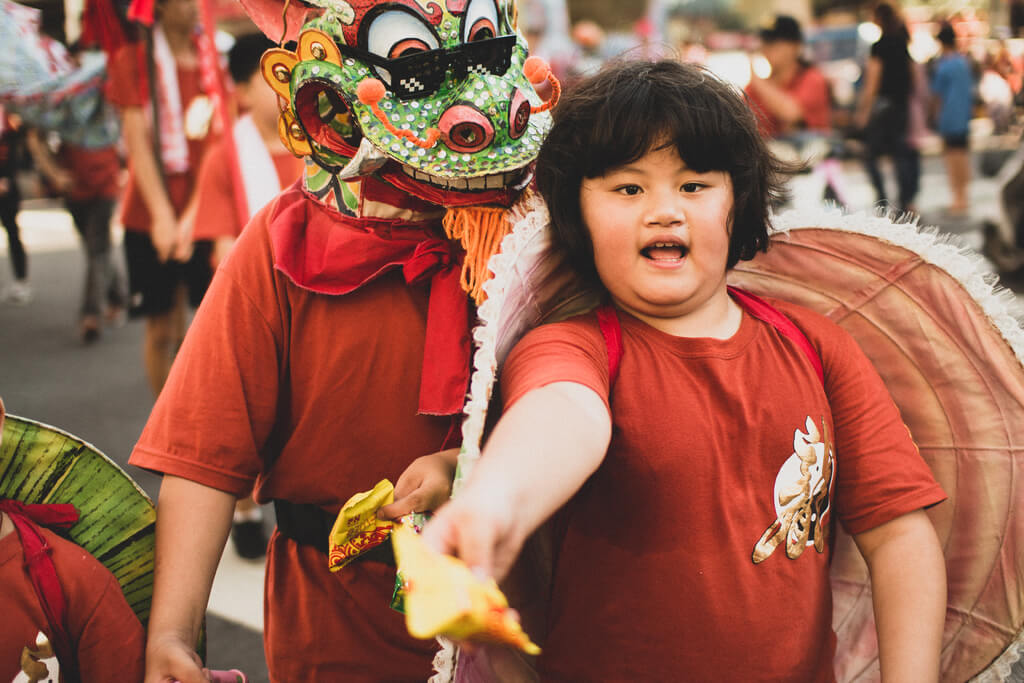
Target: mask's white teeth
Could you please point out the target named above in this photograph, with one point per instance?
(495, 181)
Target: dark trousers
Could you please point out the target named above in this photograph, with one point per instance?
(906, 163)
(886, 135)
(9, 204)
(104, 283)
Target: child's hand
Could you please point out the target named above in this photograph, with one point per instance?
(424, 485)
(484, 534)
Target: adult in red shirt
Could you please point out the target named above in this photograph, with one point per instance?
(795, 97)
(287, 391)
(160, 252)
(265, 167)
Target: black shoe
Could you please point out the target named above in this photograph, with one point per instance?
(249, 539)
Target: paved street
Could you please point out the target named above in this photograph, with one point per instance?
(100, 394)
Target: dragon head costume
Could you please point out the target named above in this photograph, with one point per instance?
(432, 99)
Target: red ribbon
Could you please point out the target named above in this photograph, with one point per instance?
(41, 570)
(59, 515)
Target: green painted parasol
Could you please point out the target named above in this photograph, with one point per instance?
(42, 464)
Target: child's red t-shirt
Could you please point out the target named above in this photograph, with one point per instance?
(216, 215)
(713, 442)
(108, 638)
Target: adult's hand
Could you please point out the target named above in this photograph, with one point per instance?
(425, 485)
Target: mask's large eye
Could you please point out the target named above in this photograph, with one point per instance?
(480, 21)
(396, 34)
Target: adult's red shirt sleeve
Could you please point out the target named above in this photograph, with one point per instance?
(187, 434)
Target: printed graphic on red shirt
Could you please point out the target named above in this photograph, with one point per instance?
(802, 496)
(38, 663)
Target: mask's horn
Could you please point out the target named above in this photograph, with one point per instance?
(280, 21)
(537, 71)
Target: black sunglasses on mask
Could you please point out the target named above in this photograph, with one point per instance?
(422, 73)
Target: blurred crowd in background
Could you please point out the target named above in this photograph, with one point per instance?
(831, 82)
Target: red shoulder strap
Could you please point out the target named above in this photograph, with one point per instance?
(611, 330)
(765, 312)
(608, 321)
(43, 573)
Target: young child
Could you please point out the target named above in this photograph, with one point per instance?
(698, 444)
(97, 637)
(267, 167)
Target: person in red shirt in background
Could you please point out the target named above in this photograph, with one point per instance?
(162, 258)
(88, 181)
(101, 638)
(795, 97)
(266, 168)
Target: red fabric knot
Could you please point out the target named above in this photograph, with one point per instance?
(324, 251)
(428, 258)
(59, 515)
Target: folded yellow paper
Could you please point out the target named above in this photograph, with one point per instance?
(357, 528)
(443, 597)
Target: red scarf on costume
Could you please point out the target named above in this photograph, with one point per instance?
(327, 252)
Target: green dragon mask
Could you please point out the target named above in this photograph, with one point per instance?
(429, 96)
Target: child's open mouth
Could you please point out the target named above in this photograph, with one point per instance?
(665, 252)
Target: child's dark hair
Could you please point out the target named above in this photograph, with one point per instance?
(244, 56)
(629, 108)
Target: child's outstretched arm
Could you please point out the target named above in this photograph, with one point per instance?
(192, 525)
(424, 485)
(542, 450)
(908, 583)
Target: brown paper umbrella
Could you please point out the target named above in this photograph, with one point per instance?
(939, 333)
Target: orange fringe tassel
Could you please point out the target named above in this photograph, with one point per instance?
(480, 230)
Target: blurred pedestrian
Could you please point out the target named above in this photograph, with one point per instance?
(17, 292)
(883, 109)
(88, 181)
(156, 85)
(953, 86)
(795, 97)
(794, 108)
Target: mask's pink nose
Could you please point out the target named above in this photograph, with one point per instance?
(465, 129)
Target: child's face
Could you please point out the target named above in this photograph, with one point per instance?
(260, 100)
(660, 233)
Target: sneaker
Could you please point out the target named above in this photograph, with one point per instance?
(18, 293)
(249, 539)
(89, 328)
(115, 316)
